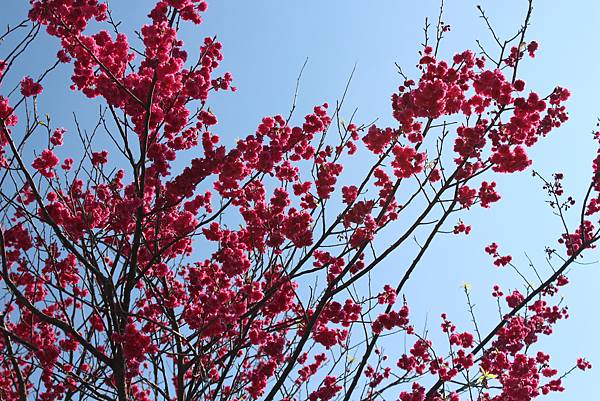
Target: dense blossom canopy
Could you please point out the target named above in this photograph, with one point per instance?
(223, 278)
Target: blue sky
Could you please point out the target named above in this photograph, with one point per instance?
(266, 43)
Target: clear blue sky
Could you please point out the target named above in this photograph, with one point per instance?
(266, 43)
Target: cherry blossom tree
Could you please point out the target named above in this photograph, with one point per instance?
(134, 271)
